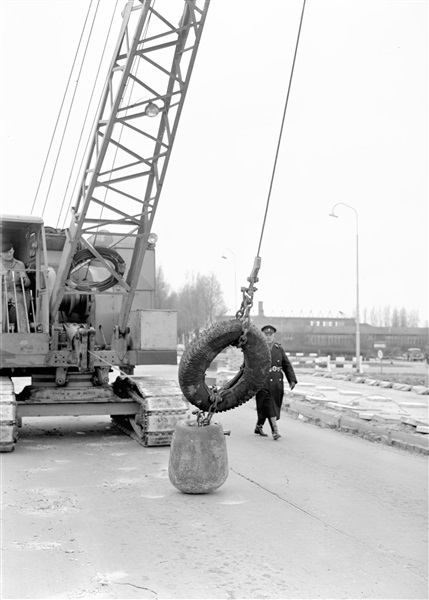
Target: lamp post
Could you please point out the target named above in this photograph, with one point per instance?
(332, 214)
(235, 273)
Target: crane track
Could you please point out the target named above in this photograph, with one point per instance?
(8, 415)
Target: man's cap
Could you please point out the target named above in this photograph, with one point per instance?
(268, 329)
(6, 246)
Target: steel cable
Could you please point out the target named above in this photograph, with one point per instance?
(281, 128)
(61, 107)
(70, 109)
(86, 256)
(83, 126)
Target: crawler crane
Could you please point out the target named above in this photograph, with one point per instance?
(89, 304)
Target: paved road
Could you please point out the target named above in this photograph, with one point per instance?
(88, 513)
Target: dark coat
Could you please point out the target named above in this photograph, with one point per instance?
(269, 399)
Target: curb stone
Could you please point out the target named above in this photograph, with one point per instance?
(373, 431)
(420, 389)
(417, 389)
(402, 387)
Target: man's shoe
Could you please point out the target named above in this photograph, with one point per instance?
(276, 435)
(260, 431)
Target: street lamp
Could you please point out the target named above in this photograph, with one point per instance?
(235, 273)
(332, 214)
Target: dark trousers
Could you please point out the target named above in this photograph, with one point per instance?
(265, 408)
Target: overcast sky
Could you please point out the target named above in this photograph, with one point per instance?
(356, 131)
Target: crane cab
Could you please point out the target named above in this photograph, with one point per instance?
(24, 302)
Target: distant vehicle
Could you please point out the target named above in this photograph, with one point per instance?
(415, 354)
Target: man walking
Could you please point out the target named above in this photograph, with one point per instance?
(269, 399)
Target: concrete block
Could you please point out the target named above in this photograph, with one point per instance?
(380, 418)
(344, 408)
(411, 447)
(385, 384)
(319, 399)
(333, 404)
(420, 389)
(348, 424)
(296, 392)
(402, 387)
(422, 429)
(315, 398)
(364, 427)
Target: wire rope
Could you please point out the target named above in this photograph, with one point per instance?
(281, 128)
(70, 109)
(85, 257)
(61, 107)
(63, 203)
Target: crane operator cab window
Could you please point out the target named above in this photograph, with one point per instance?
(15, 292)
(21, 275)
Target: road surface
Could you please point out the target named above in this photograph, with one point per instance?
(89, 513)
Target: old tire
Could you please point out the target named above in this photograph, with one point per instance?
(198, 356)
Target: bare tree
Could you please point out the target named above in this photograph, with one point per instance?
(208, 288)
(164, 297)
(200, 304)
(403, 322)
(413, 318)
(373, 317)
(386, 316)
(395, 317)
(188, 306)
